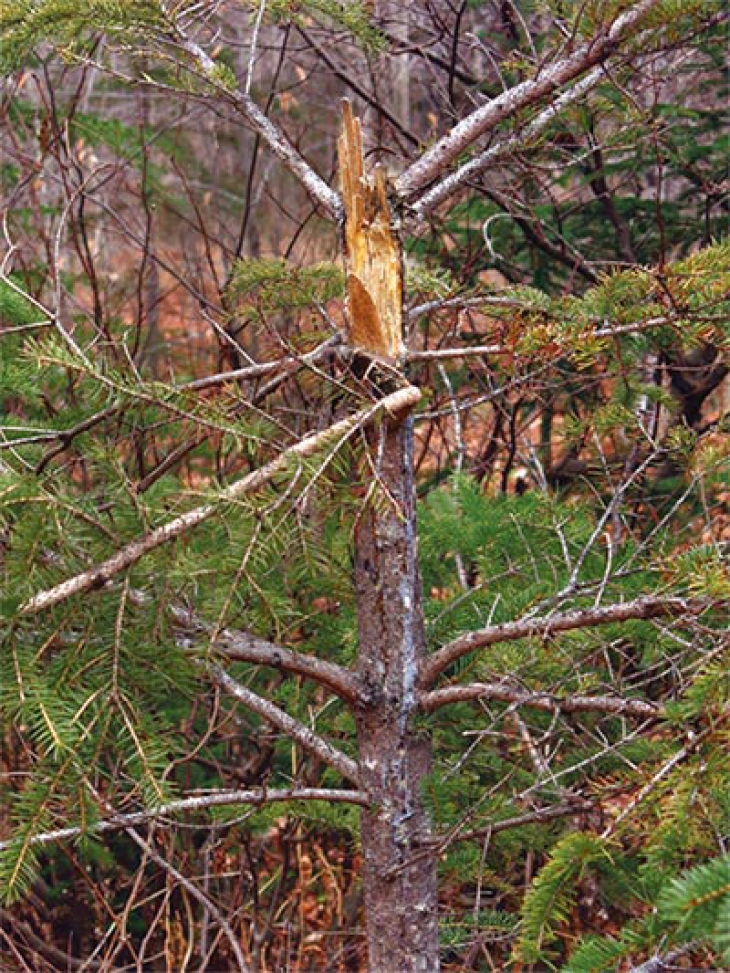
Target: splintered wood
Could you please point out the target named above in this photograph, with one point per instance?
(372, 252)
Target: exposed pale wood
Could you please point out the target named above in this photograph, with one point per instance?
(400, 886)
(372, 251)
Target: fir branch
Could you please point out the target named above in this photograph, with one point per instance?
(703, 886)
(100, 574)
(18, 862)
(551, 899)
(432, 163)
(479, 351)
(640, 796)
(305, 737)
(258, 797)
(646, 607)
(508, 692)
(285, 367)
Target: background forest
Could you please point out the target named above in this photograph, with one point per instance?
(183, 779)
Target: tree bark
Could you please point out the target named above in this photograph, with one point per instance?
(400, 889)
(399, 867)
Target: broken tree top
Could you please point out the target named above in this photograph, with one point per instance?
(373, 253)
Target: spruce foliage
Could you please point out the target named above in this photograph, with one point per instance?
(105, 700)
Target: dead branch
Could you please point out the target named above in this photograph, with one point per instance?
(258, 797)
(9, 922)
(251, 372)
(305, 737)
(546, 626)
(458, 179)
(540, 816)
(100, 574)
(436, 159)
(204, 900)
(507, 692)
(239, 646)
(272, 136)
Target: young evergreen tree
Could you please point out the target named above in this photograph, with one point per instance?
(218, 599)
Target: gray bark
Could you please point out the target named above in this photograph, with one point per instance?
(399, 863)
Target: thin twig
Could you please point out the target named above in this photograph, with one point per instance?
(210, 907)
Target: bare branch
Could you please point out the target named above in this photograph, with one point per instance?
(540, 816)
(666, 963)
(307, 738)
(433, 162)
(264, 368)
(259, 797)
(274, 138)
(444, 841)
(241, 646)
(205, 901)
(510, 693)
(100, 574)
(545, 626)
(439, 354)
(457, 180)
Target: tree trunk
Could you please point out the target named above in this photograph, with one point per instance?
(399, 867)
